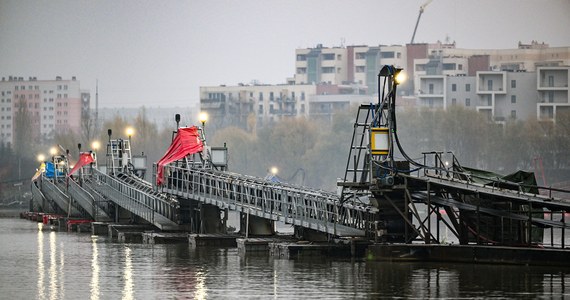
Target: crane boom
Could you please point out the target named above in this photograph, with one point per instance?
(422, 7)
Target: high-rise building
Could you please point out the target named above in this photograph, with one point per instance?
(48, 106)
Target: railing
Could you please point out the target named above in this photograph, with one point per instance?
(156, 210)
(40, 199)
(87, 201)
(300, 206)
(53, 193)
(453, 172)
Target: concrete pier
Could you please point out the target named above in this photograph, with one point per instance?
(218, 240)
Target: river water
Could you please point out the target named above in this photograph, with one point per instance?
(43, 264)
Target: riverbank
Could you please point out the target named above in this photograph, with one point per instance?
(11, 212)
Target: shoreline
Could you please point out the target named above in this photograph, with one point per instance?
(11, 212)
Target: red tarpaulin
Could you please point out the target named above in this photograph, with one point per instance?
(84, 159)
(187, 141)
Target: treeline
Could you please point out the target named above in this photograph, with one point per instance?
(321, 150)
(315, 154)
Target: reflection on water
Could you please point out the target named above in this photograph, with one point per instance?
(40, 263)
(94, 269)
(128, 276)
(57, 265)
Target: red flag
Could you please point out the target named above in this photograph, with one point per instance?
(84, 159)
(187, 141)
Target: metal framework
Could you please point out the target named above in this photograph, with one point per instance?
(317, 210)
(82, 197)
(156, 208)
(55, 194)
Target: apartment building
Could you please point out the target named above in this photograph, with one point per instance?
(49, 105)
(552, 88)
(500, 95)
(526, 82)
(254, 105)
(346, 65)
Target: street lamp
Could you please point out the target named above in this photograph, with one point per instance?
(41, 158)
(203, 117)
(400, 76)
(95, 145)
(274, 170)
(130, 131)
(53, 151)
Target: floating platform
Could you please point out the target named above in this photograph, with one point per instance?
(260, 245)
(218, 240)
(337, 248)
(127, 233)
(164, 237)
(99, 228)
(469, 254)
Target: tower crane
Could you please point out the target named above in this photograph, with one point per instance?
(422, 8)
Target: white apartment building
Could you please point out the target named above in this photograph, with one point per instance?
(254, 104)
(526, 82)
(552, 87)
(501, 95)
(51, 105)
(346, 65)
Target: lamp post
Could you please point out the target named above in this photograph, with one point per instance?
(130, 131)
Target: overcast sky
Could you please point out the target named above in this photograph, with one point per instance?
(158, 53)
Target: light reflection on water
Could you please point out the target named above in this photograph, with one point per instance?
(58, 265)
(94, 269)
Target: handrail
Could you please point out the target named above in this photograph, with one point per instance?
(314, 209)
(156, 209)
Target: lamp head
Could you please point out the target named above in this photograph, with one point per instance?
(203, 117)
(130, 131)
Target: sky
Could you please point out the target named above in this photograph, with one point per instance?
(158, 53)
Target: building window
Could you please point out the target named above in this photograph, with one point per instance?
(467, 102)
(388, 54)
(489, 85)
(303, 96)
(301, 57)
(453, 101)
(431, 88)
(460, 67)
(467, 87)
(513, 99)
(513, 84)
(328, 69)
(454, 87)
(301, 70)
(271, 98)
(550, 96)
(359, 55)
(338, 57)
(260, 96)
(513, 114)
(360, 69)
(328, 56)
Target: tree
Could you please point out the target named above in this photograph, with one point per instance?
(23, 137)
